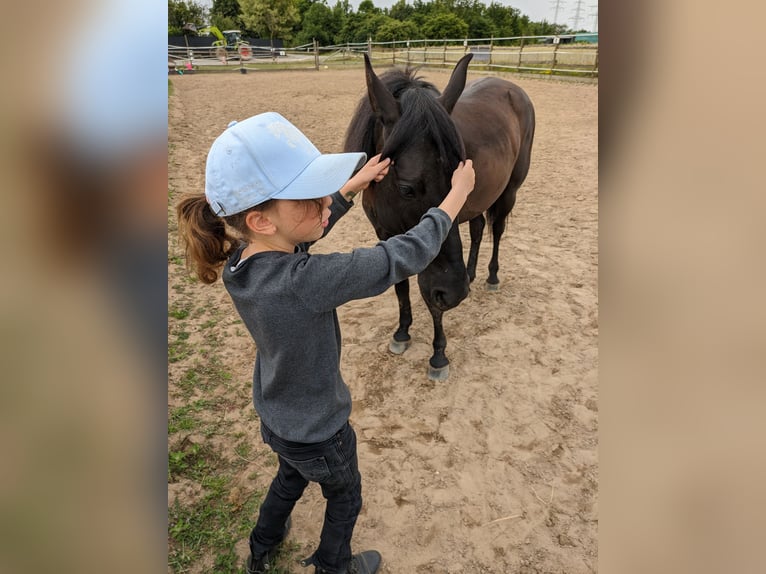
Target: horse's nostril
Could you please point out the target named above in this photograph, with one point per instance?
(439, 299)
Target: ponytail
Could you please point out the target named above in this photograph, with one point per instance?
(205, 235)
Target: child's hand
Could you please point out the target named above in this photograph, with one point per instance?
(464, 178)
(373, 170)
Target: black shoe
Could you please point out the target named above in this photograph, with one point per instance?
(366, 562)
(264, 563)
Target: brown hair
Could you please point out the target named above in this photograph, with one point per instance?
(208, 239)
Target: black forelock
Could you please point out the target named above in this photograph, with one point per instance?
(421, 114)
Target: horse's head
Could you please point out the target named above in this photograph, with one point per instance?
(409, 121)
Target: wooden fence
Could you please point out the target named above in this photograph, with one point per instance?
(529, 54)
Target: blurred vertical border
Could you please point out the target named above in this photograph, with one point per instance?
(82, 410)
(682, 276)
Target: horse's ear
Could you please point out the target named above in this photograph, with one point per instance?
(456, 84)
(382, 101)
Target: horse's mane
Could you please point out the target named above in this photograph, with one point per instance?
(420, 114)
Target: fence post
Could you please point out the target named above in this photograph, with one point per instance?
(316, 53)
(393, 52)
(369, 48)
(595, 64)
(555, 49)
(444, 54)
(491, 41)
(521, 48)
(408, 53)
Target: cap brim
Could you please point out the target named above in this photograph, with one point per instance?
(325, 175)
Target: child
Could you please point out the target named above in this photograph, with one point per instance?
(279, 194)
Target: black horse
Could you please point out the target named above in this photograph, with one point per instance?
(427, 134)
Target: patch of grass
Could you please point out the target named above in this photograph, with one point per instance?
(182, 418)
(178, 350)
(244, 449)
(189, 380)
(211, 525)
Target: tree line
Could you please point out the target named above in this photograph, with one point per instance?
(298, 22)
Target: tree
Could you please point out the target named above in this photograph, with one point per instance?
(505, 20)
(320, 23)
(227, 8)
(444, 25)
(392, 30)
(358, 27)
(225, 22)
(272, 18)
(181, 13)
(401, 11)
(367, 7)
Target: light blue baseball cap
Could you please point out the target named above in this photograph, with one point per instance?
(266, 157)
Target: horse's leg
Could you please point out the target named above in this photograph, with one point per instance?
(438, 364)
(499, 211)
(476, 225)
(498, 214)
(401, 339)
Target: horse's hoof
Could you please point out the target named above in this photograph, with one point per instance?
(440, 374)
(398, 347)
(493, 286)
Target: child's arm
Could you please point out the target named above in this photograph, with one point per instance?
(374, 169)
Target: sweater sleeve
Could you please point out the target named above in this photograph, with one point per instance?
(324, 282)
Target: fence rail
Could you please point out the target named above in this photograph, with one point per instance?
(529, 54)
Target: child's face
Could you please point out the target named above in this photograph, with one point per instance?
(299, 221)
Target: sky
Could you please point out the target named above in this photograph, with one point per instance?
(537, 10)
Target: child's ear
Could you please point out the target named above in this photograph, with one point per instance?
(259, 222)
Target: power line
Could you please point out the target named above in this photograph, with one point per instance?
(558, 4)
(576, 19)
(594, 13)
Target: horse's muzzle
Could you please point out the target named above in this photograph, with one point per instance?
(446, 299)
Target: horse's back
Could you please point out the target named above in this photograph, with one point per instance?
(492, 103)
(496, 119)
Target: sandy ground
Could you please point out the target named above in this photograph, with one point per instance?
(496, 469)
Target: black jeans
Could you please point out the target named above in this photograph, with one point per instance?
(334, 465)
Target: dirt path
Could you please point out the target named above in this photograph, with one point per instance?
(495, 470)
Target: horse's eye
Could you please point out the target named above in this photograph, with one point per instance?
(406, 191)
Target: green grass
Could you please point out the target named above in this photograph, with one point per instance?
(213, 528)
(219, 487)
(179, 311)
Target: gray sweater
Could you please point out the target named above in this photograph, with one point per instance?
(287, 302)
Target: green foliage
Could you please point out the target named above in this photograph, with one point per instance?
(181, 13)
(393, 30)
(225, 22)
(270, 18)
(298, 22)
(318, 22)
(401, 11)
(445, 25)
(367, 7)
(359, 27)
(226, 8)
